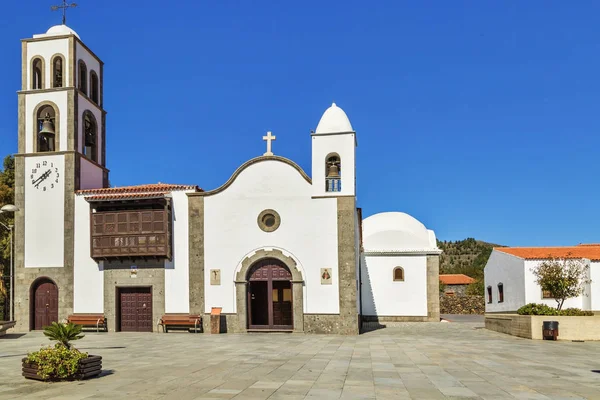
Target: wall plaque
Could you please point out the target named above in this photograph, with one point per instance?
(325, 276)
(215, 276)
(134, 271)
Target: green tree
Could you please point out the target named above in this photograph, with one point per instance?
(7, 185)
(476, 288)
(63, 333)
(564, 278)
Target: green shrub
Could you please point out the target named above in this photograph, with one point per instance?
(537, 309)
(576, 312)
(58, 362)
(476, 288)
(543, 309)
(63, 333)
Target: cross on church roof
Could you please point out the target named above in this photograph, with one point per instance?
(64, 7)
(268, 139)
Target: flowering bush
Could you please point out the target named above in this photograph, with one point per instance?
(58, 362)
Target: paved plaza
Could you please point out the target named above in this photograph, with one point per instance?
(407, 361)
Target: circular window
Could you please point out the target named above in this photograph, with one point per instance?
(268, 220)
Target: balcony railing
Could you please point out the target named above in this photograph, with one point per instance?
(131, 234)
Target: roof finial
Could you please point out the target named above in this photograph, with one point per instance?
(64, 7)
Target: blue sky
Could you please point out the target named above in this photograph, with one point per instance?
(478, 118)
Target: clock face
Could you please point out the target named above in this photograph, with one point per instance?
(44, 175)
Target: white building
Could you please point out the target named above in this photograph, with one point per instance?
(510, 283)
(274, 248)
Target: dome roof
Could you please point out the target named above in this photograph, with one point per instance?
(334, 120)
(59, 30)
(391, 231)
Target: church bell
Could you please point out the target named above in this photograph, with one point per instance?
(333, 171)
(47, 127)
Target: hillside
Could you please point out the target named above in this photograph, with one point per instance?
(467, 256)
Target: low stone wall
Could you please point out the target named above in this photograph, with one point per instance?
(530, 326)
(462, 304)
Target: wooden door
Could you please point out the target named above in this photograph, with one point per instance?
(270, 296)
(281, 299)
(45, 305)
(136, 309)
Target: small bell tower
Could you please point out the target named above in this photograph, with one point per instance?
(334, 155)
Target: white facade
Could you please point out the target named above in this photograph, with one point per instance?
(44, 217)
(395, 240)
(508, 270)
(520, 287)
(308, 232)
(318, 232)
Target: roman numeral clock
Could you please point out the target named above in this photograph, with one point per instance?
(45, 175)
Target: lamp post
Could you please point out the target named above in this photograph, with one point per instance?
(10, 208)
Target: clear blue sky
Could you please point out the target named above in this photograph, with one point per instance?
(478, 118)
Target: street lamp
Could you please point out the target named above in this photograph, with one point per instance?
(6, 209)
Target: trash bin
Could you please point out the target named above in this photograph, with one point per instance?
(215, 320)
(550, 330)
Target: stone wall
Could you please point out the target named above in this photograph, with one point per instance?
(462, 304)
(530, 326)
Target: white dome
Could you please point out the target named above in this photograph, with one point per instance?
(391, 231)
(334, 120)
(59, 30)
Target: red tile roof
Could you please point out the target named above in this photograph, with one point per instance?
(126, 196)
(589, 251)
(152, 187)
(456, 279)
(149, 191)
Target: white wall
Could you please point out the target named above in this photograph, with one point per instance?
(88, 285)
(308, 232)
(47, 49)
(91, 175)
(177, 288)
(595, 285)
(345, 146)
(84, 105)
(44, 213)
(31, 102)
(384, 297)
(508, 270)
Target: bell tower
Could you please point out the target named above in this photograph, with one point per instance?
(61, 149)
(334, 155)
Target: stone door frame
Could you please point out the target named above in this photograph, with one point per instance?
(241, 287)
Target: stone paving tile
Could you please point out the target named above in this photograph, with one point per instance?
(406, 361)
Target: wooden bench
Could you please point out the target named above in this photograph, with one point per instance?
(180, 321)
(89, 320)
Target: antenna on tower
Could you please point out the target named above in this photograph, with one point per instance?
(64, 7)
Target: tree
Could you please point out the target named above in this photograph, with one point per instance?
(7, 185)
(564, 278)
(63, 333)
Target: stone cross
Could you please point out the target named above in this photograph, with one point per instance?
(268, 139)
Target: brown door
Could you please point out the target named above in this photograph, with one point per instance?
(45, 305)
(136, 309)
(270, 296)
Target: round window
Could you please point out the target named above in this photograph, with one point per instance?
(268, 220)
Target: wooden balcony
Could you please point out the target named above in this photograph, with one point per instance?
(131, 234)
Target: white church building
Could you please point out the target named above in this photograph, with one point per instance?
(275, 248)
(511, 284)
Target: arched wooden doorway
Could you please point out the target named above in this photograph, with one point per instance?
(44, 303)
(270, 303)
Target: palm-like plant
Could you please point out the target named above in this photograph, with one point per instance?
(63, 333)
